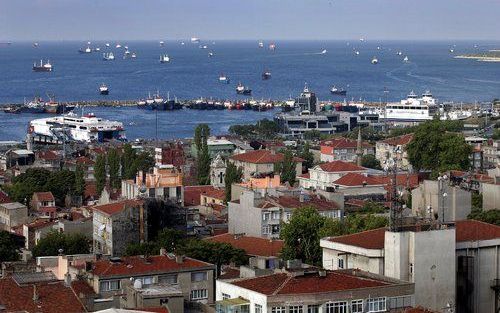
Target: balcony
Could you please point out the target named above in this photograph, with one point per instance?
(236, 305)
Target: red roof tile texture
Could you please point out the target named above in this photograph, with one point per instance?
(254, 246)
(53, 298)
(344, 143)
(370, 239)
(261, 157)
(356, 179)
(4, 198)
(135, 265)
(341, 166)
(286, 284)
(43, 196)
(116, 207)
(192, 194)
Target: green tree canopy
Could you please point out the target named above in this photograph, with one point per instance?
(70, 244)
(437, 149)
(306, 154)
(79, 180)
(114, 168)
(286, 169)
(490, 216)
(369, 161)
(233, 175)
(100, 173)
(9, 247)
(263, 129)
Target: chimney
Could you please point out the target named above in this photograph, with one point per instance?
(163, 251)
(35, 294)
(179, 259)
(67, 280)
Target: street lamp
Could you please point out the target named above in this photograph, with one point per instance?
(441, 186)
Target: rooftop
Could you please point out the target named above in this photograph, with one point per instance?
(13, 205)
(261, 157)
(340, 166)
(290, 202)
(136, 265)
(344, 143)
(289, 284)
(116, 207)
(254, 246)
(44, 196)
(356, 179)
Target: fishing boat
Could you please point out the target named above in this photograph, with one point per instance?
(85, 50)
(109, 56)
(34, 106)
(133, 55)
(35, 45)
(210, 54)
(195, 40)
(126, 54)
(406, 60)
(272, 46)
(42, 67)
(157, 98)
(266, 75)
(224, 79)
(103, 89)
(162, 43)
(338, 91)
(242, 90)
(164, 58)
(261, 44)
(324, 51)
(374, 60)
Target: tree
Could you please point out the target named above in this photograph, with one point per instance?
(9, 247)
(286, 169)
(54, 241)
(114, 168)
(233, 175)
(313, 134)
(127, 159)
(307, 155)
(477, 200)
(202, 132)
(79, 181)
(301, 236)
(100, 173)
(490, 216)
(369, 161)
(263, 129)
(435, 148)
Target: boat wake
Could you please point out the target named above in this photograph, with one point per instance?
(483, 81)
(392, 74)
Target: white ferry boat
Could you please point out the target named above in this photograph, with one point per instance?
(71, 127)
(412, 109)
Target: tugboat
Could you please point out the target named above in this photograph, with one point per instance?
(374, 60)
(108, 56)
(34, 106)
(266, 75)
(47, 67)
(224, 79)
(242, 90)
(164, 58)
(103, 89)
(338, 92)
(86, 50)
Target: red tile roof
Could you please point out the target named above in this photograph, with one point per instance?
(290, 202)
(53, 297)
(48, 155)
(306, 175)
(344, 143)
(90, 190)
(261, 157)
(356, 179)
(155, 310)
(399, 141)
(472, 230)
(370, 239)
(41, 223)
(229, 273)
(287, 284)
(135, 265)
(192, 194)
(254, 246)
(43, 196)
(82, 287)
(4, 198)
(219, 194)
(341, 166)
(116, 207)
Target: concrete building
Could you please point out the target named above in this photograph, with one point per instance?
(261, 216)
(261, 163)
(218, 172)
(12, 214)
(323, 176)
(165, 182)
(491, 154)
(216, 146)
(449, 265)
(313, 291)
(117, 225)
(81, 226)
(491, 196)
(172, 154)
(139, 297)
(386, 150)
(432, 198)
(41, 200)
(86, 163)
(343, 149)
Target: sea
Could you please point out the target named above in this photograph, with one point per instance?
(192, 74)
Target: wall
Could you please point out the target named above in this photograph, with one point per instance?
(243, 217)
(235, 292)
(491, 197)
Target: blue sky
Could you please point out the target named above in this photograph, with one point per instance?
(249, 19)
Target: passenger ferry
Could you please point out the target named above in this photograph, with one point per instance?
(71, 127)
(412, 109)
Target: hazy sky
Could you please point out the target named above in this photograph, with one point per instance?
(249, 19)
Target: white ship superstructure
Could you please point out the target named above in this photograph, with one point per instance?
(412, 109)
(71, 127)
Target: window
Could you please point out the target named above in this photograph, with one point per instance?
(340, 263)
(266, 216)
(376, 304)
(198, 276)
(357, 306)
(168, 279)
(276, 215)
(313, 308)
(146, 281)
(399, 302)
(225, 296)
(295, 309)
(258, 308)
(109, 285)
(336, 307)
(278, 309)
(266, 230)
(199, 294)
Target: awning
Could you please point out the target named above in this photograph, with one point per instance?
(233, 302)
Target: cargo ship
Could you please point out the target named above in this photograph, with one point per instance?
(42, 67)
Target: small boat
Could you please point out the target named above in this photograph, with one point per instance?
(126, 54)
(261, 44)
(35, 45)
(97, 49)
(203, 47)
(242, 90)
(195, 40)
(452, 50)
(107, 44)
(224, 79)
(272, 46)
(133, 55)
(266, 75)
(164, 58)
(86, 50)
(374, 60)
(182, 43)
(356, 52)
(210, 54)
(378, 48)
(406, 60)
(118, 45)
(162, 43)
(338, 91)
(103, 89)
(323, 51)
(108, 56)
(399, 53)
(12, 109)
(47, 67)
